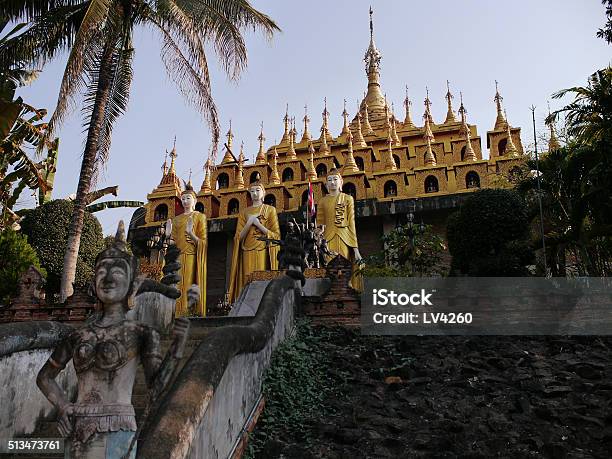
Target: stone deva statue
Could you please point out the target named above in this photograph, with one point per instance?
(336, 211)
(250, 253)
(106, 352)
(188, 231)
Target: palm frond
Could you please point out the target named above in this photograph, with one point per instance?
(194, 86)
(46, 37)
(84, 51)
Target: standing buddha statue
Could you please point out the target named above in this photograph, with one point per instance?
(251, 254)
(336, 211)
(189, 234)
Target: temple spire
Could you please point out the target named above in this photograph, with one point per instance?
(396, 138)
(261, 154)
(285, 138)
(469, 155)
(312, 173)
(428, 107)
(206, 187)
(450, 114)
(374, 97)
(389, 163)
(350, 165)
(325, 128)
(306, 137)
(366, 121)
(292, 133)
(408, 123)
(228, 157)
(511, 149)
(430, 158)
(359, 140)
(345, 127)
(173, 155)
(240, 174)
(274, 177)
(500, 122)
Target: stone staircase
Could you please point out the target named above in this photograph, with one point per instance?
(48, 429)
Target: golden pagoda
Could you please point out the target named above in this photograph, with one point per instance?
(390, 167)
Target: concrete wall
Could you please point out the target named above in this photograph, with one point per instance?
(24, 348)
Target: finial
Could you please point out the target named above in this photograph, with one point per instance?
(372, 55)
(261, 154)
(165, 165)
(371, 23)
(292, 133)
(312, 173)
(408, 123)
(206, 188)
(230, 135)
(450, 115)
(366, 121)
(430, 158)
(189, 181)
(350, 165)
(285, 137)
(389, 159)
(428, 107)
(240, 174)
(359, 140)
(345, 127)
(325, 128)
(501, 120)
(306, 137)
(469, 154)
(173, 156)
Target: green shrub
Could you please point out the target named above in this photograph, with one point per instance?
(489, 235)
(16, 256)
(47, 230)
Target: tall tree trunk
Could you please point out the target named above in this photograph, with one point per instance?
(87, 168)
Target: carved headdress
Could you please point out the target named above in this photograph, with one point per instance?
(118, 251)
(334, 171)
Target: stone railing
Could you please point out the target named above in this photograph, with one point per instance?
(205, 411)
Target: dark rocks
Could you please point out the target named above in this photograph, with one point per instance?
(466, 397)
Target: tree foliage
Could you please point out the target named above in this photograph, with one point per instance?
(47, 230)
(16, 256)
(489, 235)
(407, 252)
(606, 31)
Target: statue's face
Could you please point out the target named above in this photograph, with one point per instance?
(334, 183)
(257, 193)
(188, 201)
(112, 280)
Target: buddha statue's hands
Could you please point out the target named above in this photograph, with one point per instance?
(358, 256)
(191, 237)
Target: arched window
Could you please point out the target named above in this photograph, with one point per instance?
(397, 160)
(233, 207)
(431, 184)
(390, 189)
(501, 147)
(199, 207)
(288, 175)
(254, 177)
(222, 181)
(349, 188)
(270, 199)
(463, 154)
(161, 213)
(359, 162)
(321, 170)
(472, 180)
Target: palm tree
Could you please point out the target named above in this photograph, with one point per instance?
(99, 36)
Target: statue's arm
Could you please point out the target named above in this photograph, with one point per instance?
(351, 221)
(243, 226)
(151, 353)
(49, 387)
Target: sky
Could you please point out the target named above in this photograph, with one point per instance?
(533, 48)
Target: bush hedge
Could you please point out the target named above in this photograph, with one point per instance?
(47, 230)
(16, 256)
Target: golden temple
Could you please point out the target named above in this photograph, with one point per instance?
(389, 166)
